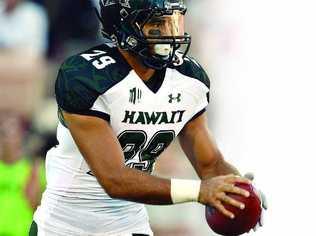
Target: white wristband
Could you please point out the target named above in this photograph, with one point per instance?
(183, 190)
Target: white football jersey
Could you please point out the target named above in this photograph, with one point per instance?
(146, 116)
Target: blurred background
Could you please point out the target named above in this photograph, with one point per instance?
(260, 56)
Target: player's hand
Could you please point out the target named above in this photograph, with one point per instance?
(213, 192)
(264, 202)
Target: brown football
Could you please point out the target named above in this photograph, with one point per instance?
(244, 219)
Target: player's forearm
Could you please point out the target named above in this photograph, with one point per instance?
(137, 186)
(100, 148)
(120, 181)
(201, 149)
(209, 164)
(220, 167)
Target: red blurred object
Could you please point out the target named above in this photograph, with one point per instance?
(244, 220)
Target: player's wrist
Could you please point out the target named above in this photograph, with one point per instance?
(184, 190)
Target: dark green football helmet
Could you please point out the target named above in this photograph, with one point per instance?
(124, 22)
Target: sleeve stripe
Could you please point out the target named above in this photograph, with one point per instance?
(98, 114)
(197, 115)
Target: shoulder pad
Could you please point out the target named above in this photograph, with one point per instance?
(191, 68)
(84, 77)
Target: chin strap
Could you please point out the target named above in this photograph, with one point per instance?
(153, 64)
(156, 62)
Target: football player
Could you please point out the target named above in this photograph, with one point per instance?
(120, 105)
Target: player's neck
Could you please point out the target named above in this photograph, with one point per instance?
(142, 71)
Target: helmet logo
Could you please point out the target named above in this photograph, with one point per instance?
(125, 3)
(107, 3)
(131, 41)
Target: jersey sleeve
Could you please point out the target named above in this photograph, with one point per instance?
(77, 92)
(201, 90)
(203, 93)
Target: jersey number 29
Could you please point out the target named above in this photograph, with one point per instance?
(133, 141)
(98, 60)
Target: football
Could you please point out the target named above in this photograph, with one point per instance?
(244, 219)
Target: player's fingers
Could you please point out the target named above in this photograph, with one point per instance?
(219, 206)
(238, 179)
(230, 188)
(231, 201)
(229, 177)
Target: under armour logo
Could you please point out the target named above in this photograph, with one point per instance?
(178, 98)
(135, 95)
